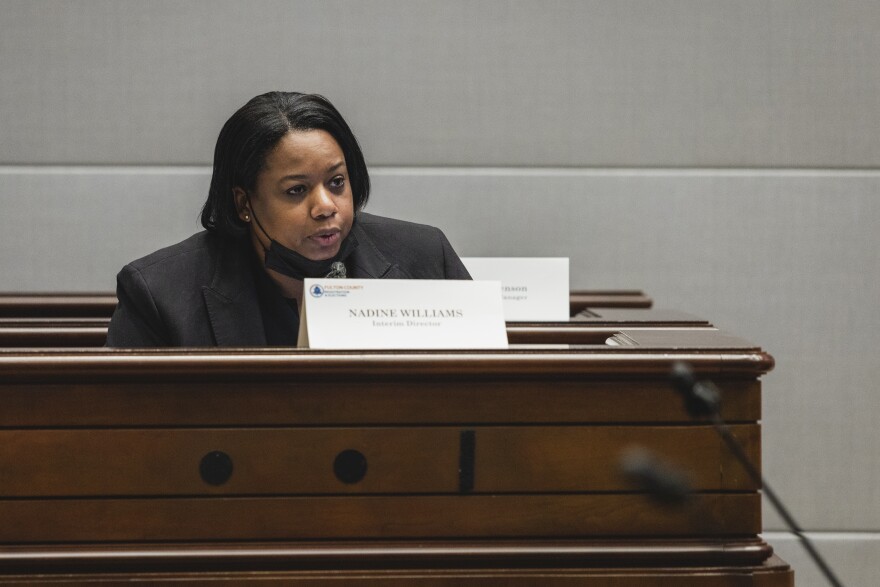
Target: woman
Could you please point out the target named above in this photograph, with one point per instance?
(288, 185)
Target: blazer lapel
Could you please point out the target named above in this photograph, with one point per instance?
(368, 262)
(231, 300)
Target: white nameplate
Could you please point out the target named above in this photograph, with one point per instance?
(401, 314)
(533, 289)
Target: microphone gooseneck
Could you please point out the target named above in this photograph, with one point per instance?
(702, 398)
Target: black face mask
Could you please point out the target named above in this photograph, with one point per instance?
(290, 263)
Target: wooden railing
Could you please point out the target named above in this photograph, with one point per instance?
(101, 305)
(369, 467)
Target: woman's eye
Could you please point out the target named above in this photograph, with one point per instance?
(297, 190)
(337, 182)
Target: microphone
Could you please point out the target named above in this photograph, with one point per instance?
(664, 484)
(703, 398)
(337, 270)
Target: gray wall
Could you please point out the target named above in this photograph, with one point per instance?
(722, 156)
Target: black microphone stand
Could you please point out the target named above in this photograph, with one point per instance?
(702, 398)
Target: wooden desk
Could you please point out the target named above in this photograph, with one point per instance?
(582, 299)
(102, 304)
(637, 317)
(57, 305)
(70, 320)
(437, 468)
(53, 332)
(92, 332)
(595, 326)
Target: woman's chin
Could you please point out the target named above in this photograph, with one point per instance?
(322, 253)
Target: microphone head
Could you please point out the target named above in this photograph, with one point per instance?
(701, 398)
(337, 270)
(682, 377)
(663, 483)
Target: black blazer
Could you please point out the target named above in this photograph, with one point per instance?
(201, 292)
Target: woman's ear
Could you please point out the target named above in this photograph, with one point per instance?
(242, 204)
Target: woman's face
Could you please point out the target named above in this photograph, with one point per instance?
(302, 197)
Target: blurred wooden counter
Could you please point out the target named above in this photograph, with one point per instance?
(434, 468)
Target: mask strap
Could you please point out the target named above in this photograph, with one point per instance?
(259, 224)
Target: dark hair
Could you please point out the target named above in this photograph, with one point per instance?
(253, 131)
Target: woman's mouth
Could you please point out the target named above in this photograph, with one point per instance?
(326, 239)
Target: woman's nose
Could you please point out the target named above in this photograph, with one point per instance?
(323, 204)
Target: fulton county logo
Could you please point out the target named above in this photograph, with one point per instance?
(331, 290)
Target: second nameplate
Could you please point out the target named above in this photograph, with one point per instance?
(534, 289)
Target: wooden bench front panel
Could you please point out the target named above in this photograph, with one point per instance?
(102, 450)
(353, 517)
(316, 400)
(398, 460)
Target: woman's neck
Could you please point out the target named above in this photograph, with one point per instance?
(290, 287)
